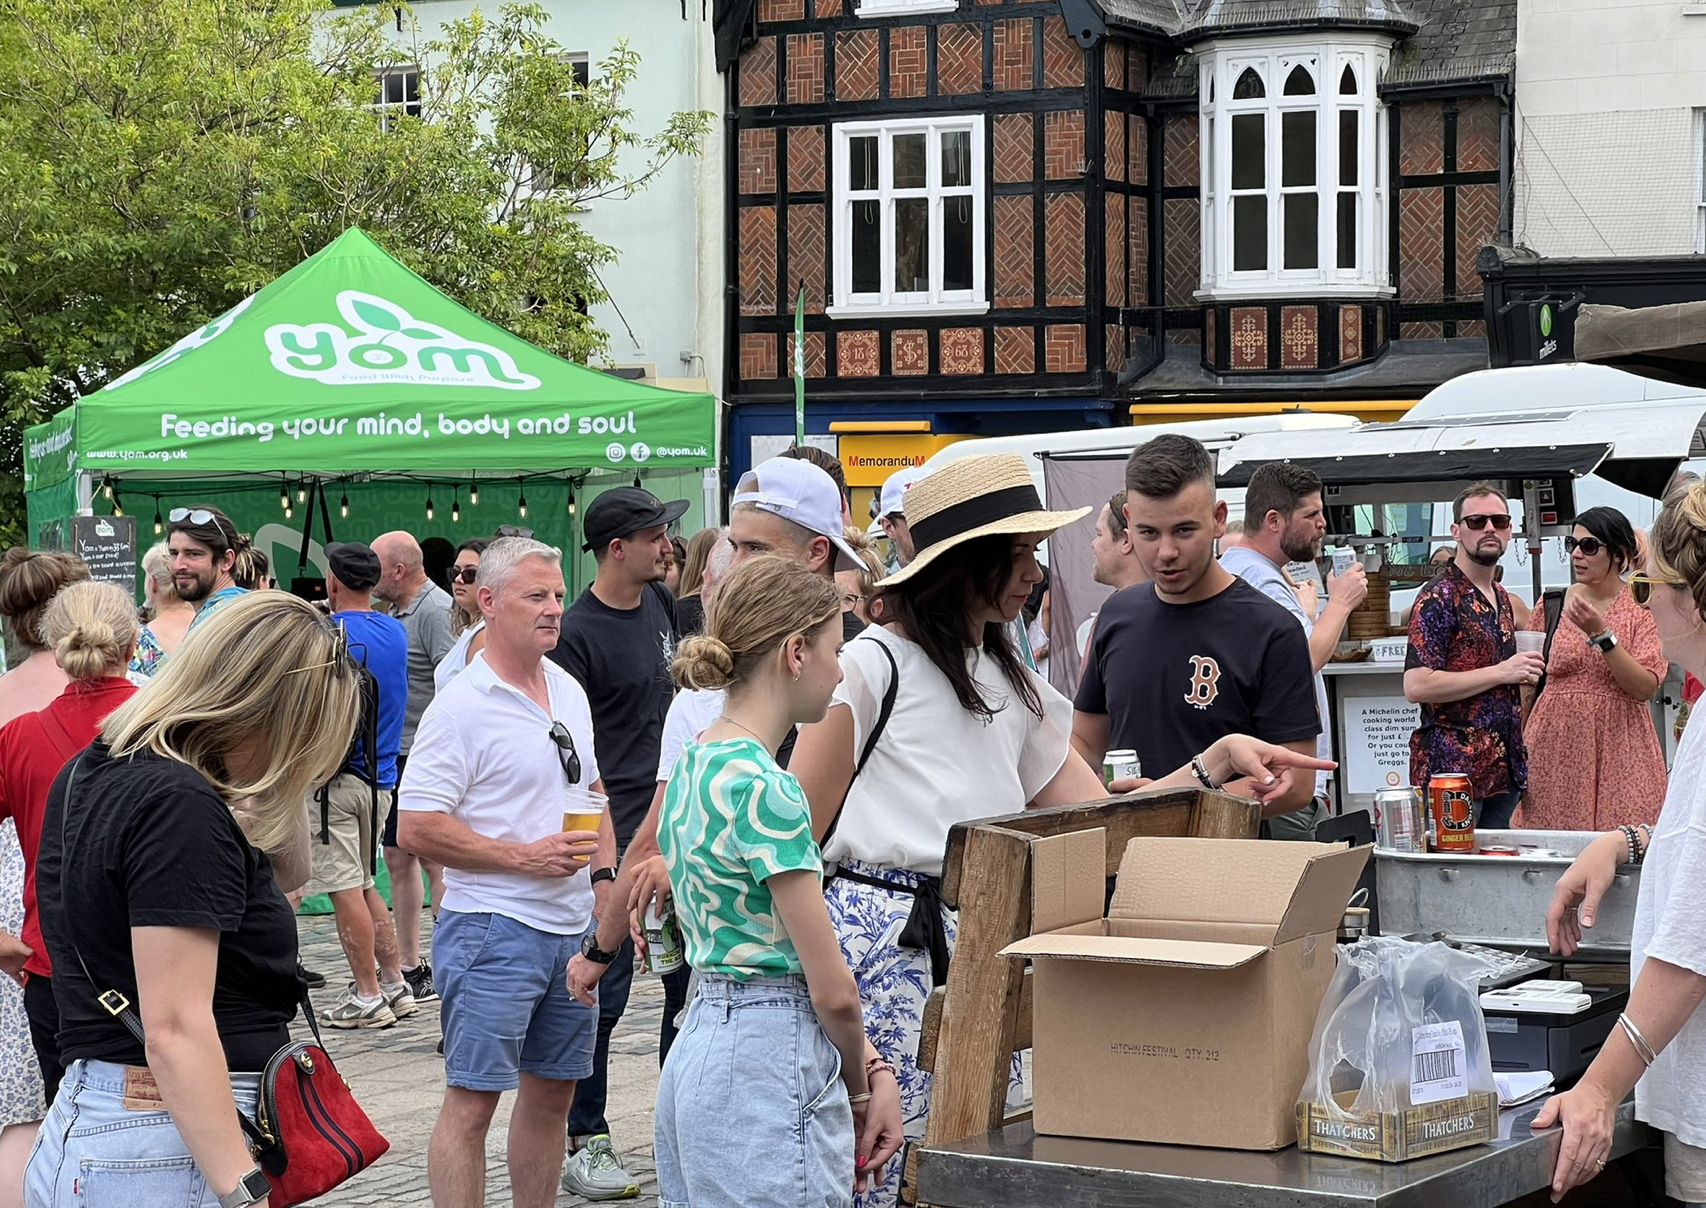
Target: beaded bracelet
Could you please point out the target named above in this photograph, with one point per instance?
(1630, 837)
(876, 1064)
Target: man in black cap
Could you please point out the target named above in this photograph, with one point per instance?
(348, 814)
(618, 639)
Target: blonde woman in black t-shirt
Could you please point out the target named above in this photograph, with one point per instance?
(171, 900)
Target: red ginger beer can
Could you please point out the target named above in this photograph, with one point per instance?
(1451, 814)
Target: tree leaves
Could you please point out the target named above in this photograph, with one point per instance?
(160, 160)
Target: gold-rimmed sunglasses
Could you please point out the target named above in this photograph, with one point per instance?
(1641, 586)
(340, 652)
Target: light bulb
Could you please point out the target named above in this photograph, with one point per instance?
(288, 510)
(521, 505)
(455, 511)
(284, 498)
(159, 525)
(343, 507)
(474, 494)
(429, 507)
(301, 493)
(118, 508)
(571, 501)
(107, 488)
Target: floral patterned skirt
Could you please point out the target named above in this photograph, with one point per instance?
(21, 1096)
(894, 983)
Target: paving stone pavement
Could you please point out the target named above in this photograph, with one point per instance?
(398, 1078)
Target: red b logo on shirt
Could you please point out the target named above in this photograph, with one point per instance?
(1205, 682)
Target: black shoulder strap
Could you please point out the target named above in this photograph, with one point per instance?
(876, 733)
(1552, 604)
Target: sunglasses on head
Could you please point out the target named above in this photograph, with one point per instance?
(1588, 545)
(1499, 520)
(195, 516)
(464, 574)
(510, 530)
(1641, 586)
(566, 754)
(340, 652)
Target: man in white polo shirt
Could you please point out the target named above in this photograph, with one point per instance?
(891, 513)
(499, 757)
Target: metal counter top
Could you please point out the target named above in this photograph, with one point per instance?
(1015, 1168)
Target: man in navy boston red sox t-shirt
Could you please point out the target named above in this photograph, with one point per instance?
(1201, 654)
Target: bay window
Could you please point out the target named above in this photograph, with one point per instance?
(1293, 153)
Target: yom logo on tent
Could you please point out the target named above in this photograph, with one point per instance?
(389, 345)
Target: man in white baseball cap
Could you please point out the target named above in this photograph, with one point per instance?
(892, 511)
(788, 506)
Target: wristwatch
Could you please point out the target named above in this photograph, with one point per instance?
(1607, 642)
(603, 874)
(592, 952)
(251, 1188)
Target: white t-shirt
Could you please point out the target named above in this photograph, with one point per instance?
(690, 715)
(937, 764)
(1670, 925)
(456, 662)
(483, 754)
(1254, 568)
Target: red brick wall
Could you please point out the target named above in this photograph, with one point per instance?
(1065, 257)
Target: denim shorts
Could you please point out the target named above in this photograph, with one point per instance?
(94, 1150)
(506, 1005)
(751, 1109)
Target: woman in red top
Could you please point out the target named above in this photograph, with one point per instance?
(91, 629)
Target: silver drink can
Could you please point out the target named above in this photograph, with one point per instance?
(663, 940)
(1120, 765)
(1398, 824)
(1343, 557)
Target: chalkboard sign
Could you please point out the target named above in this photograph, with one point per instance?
(108, 545)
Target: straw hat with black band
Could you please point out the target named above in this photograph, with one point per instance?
(987, 496)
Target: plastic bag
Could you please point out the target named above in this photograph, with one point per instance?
(1400, 1027)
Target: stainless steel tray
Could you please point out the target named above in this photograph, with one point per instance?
(1500, 901)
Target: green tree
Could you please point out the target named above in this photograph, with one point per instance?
(162, 159)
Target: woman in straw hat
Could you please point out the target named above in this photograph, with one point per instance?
(937, 720)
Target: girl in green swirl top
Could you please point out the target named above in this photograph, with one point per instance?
(775, 1037)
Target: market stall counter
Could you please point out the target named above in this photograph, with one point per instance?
(1016, 1168)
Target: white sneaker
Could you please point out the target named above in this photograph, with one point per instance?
(350, 1012)
(399, 998)
(595, 1172)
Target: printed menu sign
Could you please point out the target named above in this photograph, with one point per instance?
(108, 545)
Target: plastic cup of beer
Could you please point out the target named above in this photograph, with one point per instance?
(1529, 641)
(583, 810)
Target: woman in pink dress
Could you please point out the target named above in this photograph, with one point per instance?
(1593, 753)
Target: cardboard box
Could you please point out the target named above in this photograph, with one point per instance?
(1182, 1017)
(1398, 1136)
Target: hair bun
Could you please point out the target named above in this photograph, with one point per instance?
(704, 662)
(1694, 505)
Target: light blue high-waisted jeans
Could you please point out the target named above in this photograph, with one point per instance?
(751, 1109)
(93, 1150)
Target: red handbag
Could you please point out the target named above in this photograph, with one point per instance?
(309, 1134)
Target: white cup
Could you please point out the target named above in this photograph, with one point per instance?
(1529, 641)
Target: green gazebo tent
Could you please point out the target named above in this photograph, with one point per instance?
(351, 375)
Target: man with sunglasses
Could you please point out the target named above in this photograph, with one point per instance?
(1464, 669)
(203, 546)
(618, 640)
(348, 814)
(503, 755)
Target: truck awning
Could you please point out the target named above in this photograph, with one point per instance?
(1635, 447)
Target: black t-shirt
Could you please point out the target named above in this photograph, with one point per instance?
(851, 627)
(622, 657)
(690, 615)
(157, 847)
(1173, 678)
